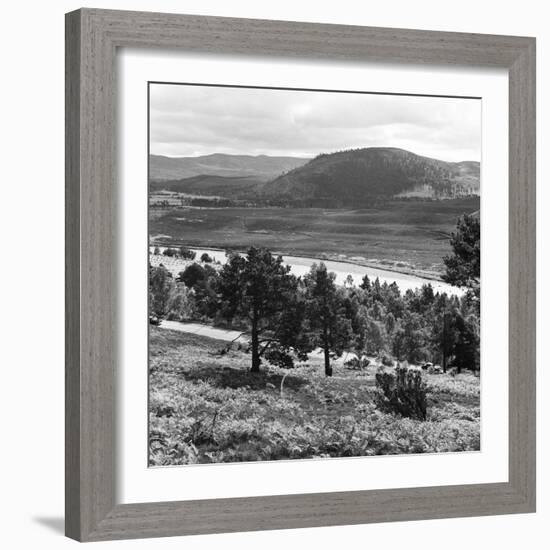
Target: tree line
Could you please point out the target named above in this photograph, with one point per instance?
(287, 317)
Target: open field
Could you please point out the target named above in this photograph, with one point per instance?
(207, 407)
(415, 232)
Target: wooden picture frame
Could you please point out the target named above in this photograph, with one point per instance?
(92, 39)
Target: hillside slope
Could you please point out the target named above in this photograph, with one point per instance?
(359, 174)
(206, 185)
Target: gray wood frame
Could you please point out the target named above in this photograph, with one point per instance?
(92, 38)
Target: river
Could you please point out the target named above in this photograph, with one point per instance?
(299, 266)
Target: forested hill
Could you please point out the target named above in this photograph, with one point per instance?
(357, 174)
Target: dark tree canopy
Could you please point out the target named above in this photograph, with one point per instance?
(330, 326)
(411, 339)
(160, 289)
(192, 274)
(260, 289)
(187, 254)
(287, 317)
(463, 266)
(466, 345)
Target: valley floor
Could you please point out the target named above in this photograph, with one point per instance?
(407, 236)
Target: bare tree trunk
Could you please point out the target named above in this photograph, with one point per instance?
(328, 368)
(255, 346)
(444, 358)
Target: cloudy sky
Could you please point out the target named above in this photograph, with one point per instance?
(200, 120)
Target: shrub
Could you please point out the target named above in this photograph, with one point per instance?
(187, 254)
(386, 360)
(156, 252)
(353, 363)
(402, 392)
(206, 258)
(170, 252)
(356, 363)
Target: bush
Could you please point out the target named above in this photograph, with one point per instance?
(386, 360)
(353, 363)
(402, 392)
(356, 363)
(206, 258)
(187, 254)
(156, 252)
(170, 252)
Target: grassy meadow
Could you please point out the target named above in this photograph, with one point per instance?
(205, 406)
(413, 231)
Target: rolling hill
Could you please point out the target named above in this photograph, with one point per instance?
(206, 185)
(356, 175)
(261, 167)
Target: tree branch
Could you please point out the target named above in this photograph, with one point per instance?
(228, 347)
(266, 346)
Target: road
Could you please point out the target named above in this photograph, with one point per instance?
(205, 330)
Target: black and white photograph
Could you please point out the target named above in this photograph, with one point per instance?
(314, 274)
(290, 275)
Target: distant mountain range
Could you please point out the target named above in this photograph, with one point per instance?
(261, 167)
(349, 177)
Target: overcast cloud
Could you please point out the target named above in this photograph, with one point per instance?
(200, 120)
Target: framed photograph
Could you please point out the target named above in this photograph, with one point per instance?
(300, 275)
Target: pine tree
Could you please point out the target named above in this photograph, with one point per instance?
(463, 267)
(330, 327)
(260, 289)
